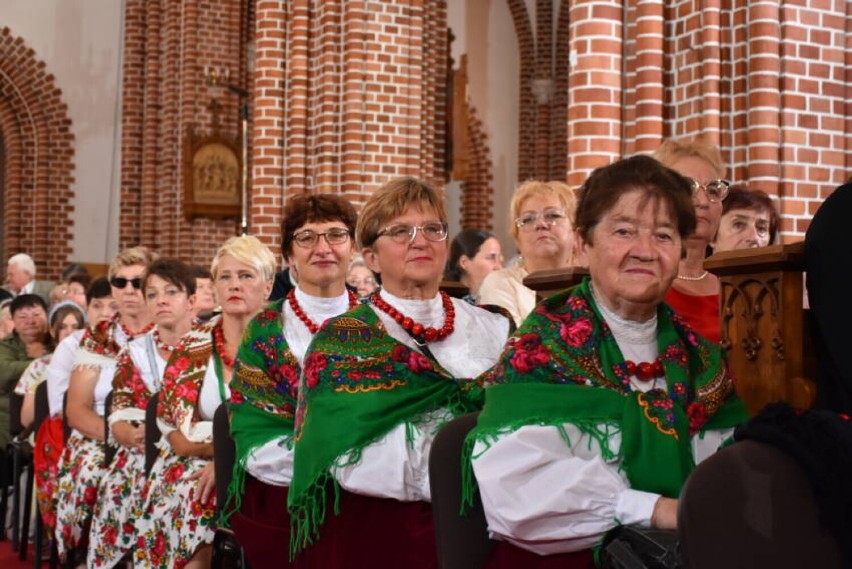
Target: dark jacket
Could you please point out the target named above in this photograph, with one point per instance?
(13, 362)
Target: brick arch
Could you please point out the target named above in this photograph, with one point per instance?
(477, 191)
(526, 103)
(39, 156)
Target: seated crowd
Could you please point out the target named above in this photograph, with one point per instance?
(595, 404)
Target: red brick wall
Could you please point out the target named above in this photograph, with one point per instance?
(477, 198)
(39, 156)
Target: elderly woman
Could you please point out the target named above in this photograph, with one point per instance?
(590, 415)
(317, 237)
(542, 228)
(474, 254)
(695, 292)
(168, 288)
(176, 526)
(749, 220)
(379, 382)
(82, 463)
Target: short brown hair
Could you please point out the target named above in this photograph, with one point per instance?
(308, 208)
(670, 151)
(740, 197)
(173, 271)
(391, 200)
(607, 184)
(134, 256)
(533, 188)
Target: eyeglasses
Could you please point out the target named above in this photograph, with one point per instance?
(550, 216)
(121, 282)
(365, 281)
(308, 239)
(715, 190)
(406, 233)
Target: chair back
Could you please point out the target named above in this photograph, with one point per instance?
(152, 432)
(42, 406)
(462, 541)
(751, 505)
(16, 401)
(66, 428)
(109, 450)
(224, 453)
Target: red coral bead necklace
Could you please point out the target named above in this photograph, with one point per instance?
(130, 335)
(646, 371)
(161, 345)
(417, 330)
(219, 343)
(297, 310)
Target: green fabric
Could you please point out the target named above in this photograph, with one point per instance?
(263, 393)
(13, 362)
(358, 384)
(563, 366)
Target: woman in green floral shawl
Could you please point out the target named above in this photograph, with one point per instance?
(604, 399)
(317, 237)
(378, 383)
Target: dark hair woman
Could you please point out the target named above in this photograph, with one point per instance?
(474, 253)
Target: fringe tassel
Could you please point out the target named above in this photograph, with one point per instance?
(309, 514)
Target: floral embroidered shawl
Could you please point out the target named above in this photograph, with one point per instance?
(264, 391)
(358, 383)
(182, 382)
(563, 365)
(99, 346)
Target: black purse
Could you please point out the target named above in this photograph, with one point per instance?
(634, 547)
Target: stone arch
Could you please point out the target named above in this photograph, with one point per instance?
(39, 159)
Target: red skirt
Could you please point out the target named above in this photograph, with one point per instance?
(508, 556)
(262, 525)
(374, 532)
(49, 444)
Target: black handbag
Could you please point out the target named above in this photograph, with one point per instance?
(634, 547)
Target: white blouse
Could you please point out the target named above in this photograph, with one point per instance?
(548, 497)
(397, 465)
(272, 463)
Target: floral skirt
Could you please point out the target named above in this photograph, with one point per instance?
(80, 471)
(47, 453)
(173, 523)
(119, 504)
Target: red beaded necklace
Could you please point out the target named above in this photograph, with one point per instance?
(297, 310)
(161, 345)
(646, 371)
(420, 332)
(130, 335)
(219, 343)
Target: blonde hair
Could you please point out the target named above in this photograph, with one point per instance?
(249, 250)
(134, 256)
(670, 151)
(536, 188)
(391, 200)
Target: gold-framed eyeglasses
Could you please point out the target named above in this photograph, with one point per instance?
(406, 233)
(715, 190)
(308, 238)
(551, 217)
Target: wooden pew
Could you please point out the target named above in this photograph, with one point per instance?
(764, 328)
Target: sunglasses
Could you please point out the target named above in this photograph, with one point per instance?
(121, 282)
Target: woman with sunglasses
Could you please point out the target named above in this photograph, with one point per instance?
(378, 383)
(695, 292)
(543, 215)
(317, 237)
(177, 522)
(82, 463)
(168, 287)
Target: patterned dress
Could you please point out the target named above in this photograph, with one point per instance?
(174, 523)
(120, 494)
(83, 461)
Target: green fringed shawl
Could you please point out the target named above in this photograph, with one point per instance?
(563, 366)
(263, 393)
(358, 384)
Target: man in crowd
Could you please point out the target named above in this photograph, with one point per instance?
(28, 341)
(20, 277)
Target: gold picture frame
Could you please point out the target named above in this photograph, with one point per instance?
(211, 177)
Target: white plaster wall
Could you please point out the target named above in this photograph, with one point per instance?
(485, 31)
(80, 43)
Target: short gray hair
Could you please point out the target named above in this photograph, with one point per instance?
(23, 262)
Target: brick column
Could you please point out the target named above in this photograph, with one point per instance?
(594, 87)
(649, 76)
(710, 70)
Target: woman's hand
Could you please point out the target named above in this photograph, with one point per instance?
(665, 514)
(206, 489)
(182, 446)
(128, 435)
